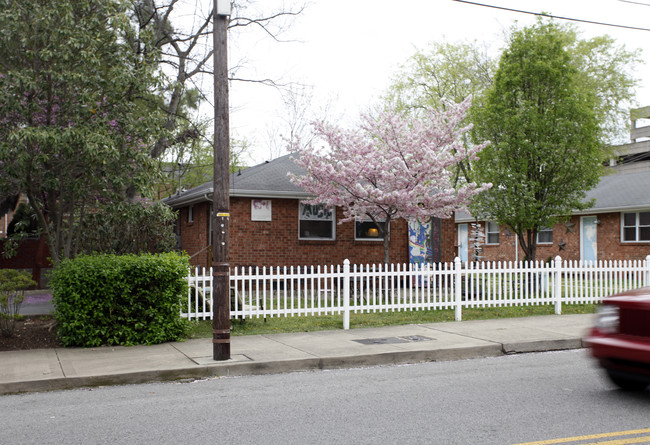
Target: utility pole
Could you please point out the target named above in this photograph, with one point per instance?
(221, 188)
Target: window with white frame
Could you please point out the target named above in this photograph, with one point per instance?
(491, 233)
(190, 214)
(545, 235)
(316, 221)
(635, 227)
(367, 230)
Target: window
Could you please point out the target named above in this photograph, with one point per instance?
(636, 227)
(368, 230)
(545, 235)
(315, 222)
(190, 214)
(491, 233)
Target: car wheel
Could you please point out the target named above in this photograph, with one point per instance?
(626, 383)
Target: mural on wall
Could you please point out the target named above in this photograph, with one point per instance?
(424, 241)
(424, 244)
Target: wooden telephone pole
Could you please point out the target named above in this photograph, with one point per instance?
(221, 187)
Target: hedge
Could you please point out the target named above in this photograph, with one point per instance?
(120, 300)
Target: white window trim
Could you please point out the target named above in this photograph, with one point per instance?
(190, 214)
(498, 232)
(379, 238)
(637, 225)
(333, 238)
(545, 243)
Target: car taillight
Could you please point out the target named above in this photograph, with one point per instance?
(608, 319)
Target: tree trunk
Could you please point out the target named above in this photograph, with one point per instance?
(386, 240)
(528, 243)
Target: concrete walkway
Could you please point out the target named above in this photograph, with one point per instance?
(64, 368)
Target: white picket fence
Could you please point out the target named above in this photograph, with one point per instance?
(312, 291)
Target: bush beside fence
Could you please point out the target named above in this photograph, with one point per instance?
(342, 289)
(119, 299)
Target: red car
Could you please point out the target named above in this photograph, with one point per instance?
(621, 338)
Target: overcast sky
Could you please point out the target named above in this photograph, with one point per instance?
(347, 51)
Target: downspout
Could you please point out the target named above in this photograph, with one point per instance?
(178, 232)
(516, 248)
(208, 247)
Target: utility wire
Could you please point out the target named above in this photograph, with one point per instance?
(635, 3)
(552, 16)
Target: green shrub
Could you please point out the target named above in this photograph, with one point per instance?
(13, 284)
(120, 300)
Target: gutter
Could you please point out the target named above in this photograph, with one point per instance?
(591, 211)
(205, 196)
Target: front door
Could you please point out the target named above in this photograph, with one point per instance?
(588, 238)
(463, 241)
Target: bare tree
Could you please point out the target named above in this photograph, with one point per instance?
(297, 116)
(187, 55)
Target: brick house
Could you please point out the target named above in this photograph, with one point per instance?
(617, 227)
(32, 254)
(270, 225)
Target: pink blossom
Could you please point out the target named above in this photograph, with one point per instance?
(391, 167)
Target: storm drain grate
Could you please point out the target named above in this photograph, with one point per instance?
(418, 338)
(392, 340)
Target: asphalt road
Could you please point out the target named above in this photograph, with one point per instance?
(504, 400)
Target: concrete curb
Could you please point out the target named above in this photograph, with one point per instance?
(227, 369)
(542, 346)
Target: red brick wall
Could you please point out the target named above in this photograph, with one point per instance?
(33, 256)
(276, 243)
(609, 245)
(449, 240)
(195, 234)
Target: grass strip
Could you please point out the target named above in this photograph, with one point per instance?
(280, 325)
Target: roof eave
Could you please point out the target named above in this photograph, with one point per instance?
(590, 211)
(238, 193)
(206, 196)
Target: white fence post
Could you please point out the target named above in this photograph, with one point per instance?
(557, 288)
(646, 267)
(346, 294)
(458, 278)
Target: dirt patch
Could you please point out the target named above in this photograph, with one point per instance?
(32, 333)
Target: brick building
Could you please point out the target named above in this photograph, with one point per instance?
(270, 225)
(617, 227)
(32, 254)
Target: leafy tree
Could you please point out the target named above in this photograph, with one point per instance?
(74, 131)
(24, 221)
(452, 71)
(125, 227)
(193, 164)
(391, 167)
(443, 73)
(545, 150)
(607, 70)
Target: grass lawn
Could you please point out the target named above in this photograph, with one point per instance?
(277, 325)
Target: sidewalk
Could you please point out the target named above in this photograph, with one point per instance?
(64, 368)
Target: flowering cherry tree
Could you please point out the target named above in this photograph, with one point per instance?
(391, 167)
